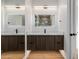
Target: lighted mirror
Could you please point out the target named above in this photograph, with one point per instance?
(16, 20)
(43, 20)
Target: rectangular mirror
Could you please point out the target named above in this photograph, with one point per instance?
(43, 20)
(16, 20)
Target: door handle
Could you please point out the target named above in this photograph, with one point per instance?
(73, 34)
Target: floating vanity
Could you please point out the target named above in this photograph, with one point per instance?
(45, 42)
(12, 43)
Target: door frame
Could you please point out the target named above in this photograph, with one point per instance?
(69, 27)
(72, 18)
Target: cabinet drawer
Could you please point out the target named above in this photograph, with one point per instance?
(21, 46)
(31, 42)
(21, 43)
(59, 42)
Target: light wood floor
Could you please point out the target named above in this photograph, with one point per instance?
(45, 55)
(12, 55)
(33, 55)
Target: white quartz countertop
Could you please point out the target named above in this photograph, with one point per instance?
(44, 33)
(58, 33)
(13, 34)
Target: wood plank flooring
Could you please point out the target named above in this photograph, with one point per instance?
(45, 55)
(33, 55)
(12, 55)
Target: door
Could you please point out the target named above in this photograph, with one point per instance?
(74, 27)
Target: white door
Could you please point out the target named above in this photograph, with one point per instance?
(74, 27)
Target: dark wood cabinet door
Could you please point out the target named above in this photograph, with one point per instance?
(12, 43)
(41, 42)
(50, 43)
(4, 43)
(38, 43)
(31, 42)
(59, 42)
(21, 43)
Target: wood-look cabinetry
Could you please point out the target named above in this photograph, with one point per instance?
(12, 42)
(31, 43)
(34, 42)
(21, 43)
(50, 43)
(4, 43)
(59, 42)
(45, 42)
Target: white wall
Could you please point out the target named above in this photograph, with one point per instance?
(31, 29)
(40, 29)
(11, 29)
(64, 25)
(3, 17)
(30, 23)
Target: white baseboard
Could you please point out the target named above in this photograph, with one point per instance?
(27, 53)
(62, 53)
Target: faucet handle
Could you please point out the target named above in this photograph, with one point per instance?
(44, 30)
(16, 30)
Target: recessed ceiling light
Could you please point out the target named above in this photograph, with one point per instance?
(45, 7)
(17, 7)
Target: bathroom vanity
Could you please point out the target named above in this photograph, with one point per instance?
(45, 42)
(34, 42)
(13, 33)
(12, 43)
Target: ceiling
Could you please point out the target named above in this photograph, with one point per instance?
(14, 2)
(34, 2)
(44, 2)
